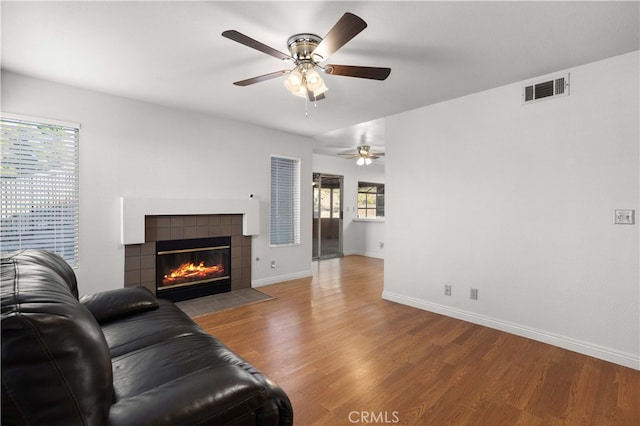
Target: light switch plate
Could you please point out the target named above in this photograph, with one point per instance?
(624, 217)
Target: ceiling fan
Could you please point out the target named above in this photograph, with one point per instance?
(307, 51)
(364, 155)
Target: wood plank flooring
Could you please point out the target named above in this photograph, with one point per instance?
(345, 356)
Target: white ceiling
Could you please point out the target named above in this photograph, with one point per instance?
(172, 53)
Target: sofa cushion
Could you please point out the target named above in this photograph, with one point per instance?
(134, 332)
(56, 367)
(143, 369)
(176, 368)
(215, 395)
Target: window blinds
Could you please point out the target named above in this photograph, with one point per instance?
(285, 201)
(39, 186)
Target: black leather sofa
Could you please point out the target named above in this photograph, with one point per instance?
(120, 357)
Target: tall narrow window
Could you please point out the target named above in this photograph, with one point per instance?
(285, 201)
(39, 186)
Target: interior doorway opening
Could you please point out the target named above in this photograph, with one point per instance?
(327, 216)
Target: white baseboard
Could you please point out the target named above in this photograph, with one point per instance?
(590, 349)
(281, 278)
(366, 254)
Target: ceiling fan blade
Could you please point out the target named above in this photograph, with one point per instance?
(373, 73)
(260, 78)
(254, 44)
(347, 27)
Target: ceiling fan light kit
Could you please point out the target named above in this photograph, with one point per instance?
(362, 161)
(306, 53)
(304, 81)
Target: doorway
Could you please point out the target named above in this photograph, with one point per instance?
(327, 216)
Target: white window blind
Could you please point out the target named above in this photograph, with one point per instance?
(39, 185)
(285, 201)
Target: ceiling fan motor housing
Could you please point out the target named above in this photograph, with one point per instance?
(363, 150)
(302, 46)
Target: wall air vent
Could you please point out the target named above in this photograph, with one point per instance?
(546, 89)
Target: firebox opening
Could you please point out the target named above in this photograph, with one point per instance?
(187, 269)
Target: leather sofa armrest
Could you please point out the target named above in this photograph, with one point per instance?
(113, 304)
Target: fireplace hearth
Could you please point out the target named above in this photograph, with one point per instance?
(190, 268)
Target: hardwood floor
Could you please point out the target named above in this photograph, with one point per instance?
(345, 356)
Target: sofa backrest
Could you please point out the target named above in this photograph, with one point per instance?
(56, 367)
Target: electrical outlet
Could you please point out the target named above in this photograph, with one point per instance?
(474, 293)
(447, 289)
(624, 217)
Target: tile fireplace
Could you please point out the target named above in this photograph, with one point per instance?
(219, 251)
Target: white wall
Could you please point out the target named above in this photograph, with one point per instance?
(518, 202)
(359, 237)
(369, 235)
(135, 149)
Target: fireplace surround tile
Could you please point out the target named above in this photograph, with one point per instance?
(177, 233)
(148, 261)
(177, 221)
(163, 221)
(132, 263)
(162, 234)
(191, 232)
(140, 268)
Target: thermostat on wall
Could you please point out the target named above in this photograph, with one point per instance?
(624, 217)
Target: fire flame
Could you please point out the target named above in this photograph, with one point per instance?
(190, 271)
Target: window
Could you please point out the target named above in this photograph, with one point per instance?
(39, 186)
(285, 201)
(329, 199)
(370, 199)
(326, 196)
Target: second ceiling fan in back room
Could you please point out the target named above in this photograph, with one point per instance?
(364, 155)
(307, 53)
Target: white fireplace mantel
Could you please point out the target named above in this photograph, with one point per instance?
(134, 210)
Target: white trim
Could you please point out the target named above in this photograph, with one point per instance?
(31, 119)
(286, 157)
(283, 245)
(133, 211)
(365, 253)
(281, 278)
(586, 348)
(369, 219)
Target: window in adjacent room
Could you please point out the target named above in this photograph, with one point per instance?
(39, 186)
(370, 199)
(285, 201)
